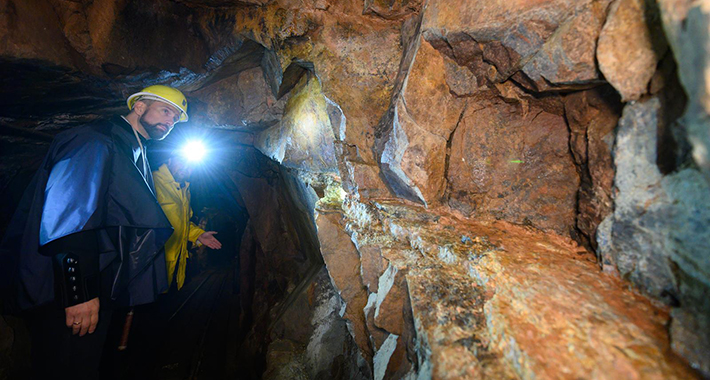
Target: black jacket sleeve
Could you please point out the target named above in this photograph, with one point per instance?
(76, 267)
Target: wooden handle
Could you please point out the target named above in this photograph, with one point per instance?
(123, 344)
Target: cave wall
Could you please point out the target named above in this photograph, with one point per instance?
(468, 161)
(292, 321)
(536, 120)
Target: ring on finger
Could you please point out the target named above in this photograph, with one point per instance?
(76, 323)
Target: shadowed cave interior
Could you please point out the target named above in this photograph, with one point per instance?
(403, 189)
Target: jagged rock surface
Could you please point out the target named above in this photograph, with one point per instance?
(418, 132)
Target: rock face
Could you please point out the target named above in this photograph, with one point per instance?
(641, 202)
(592, 117)
(655, 232)
(630, 46)
(243, 101)
(552, 41)
(483, 297)
(519, 180)
(318, 354)
(440, 182)
(684, 23)
(568, 59)
(303, 138)
(343, 263)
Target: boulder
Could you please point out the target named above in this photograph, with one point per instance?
(630, 46)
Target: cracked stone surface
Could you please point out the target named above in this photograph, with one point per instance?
(486, 296)
(468, 169)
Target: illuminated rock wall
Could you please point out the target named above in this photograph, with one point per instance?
(483, 179)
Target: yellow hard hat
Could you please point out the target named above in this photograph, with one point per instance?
(164, 94)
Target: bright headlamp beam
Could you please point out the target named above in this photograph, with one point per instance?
(194, 151)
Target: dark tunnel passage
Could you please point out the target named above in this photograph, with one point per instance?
(196, 333)
(401, 189)
(219, 325)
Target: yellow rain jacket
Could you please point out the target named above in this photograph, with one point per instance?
(175, 202)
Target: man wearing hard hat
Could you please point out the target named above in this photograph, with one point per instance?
(88, 235)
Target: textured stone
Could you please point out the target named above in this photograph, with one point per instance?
(343, 263)
(687, 241)
(124, 37)
(426, 94)
(367, 178)
(603, 334)
(243, 101)
(686, 24)
(513, 165)
(284, 361)
(466, 53)
(688, 339)
(392, 9)
(509, 32)
(421, 156)
(687, 235)
(511, 288)
(372, 266)
(377, 335)
(412, 147)
(630, 46)
(641, 204)
(262, 203)
(383, 355)
(448, 308)
(31, 30)
(460, 79)
(427, 114)
(657, 235)
(356, 58)
(389, 308)
(331, 352)
(399, 366)
(567, 60)
(456, 85)
(303, 139)
(298, 323)
(592, 116)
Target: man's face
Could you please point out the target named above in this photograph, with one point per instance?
(180, 169)
(158, 119)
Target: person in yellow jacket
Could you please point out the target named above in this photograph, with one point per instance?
(173, 193)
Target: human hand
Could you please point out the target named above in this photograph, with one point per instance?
(209, 240)
(84, 317)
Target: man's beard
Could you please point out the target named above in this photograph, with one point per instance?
(152, 129)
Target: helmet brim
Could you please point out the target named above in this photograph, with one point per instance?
(147, 95)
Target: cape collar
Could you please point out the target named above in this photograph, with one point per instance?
(124, 124)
